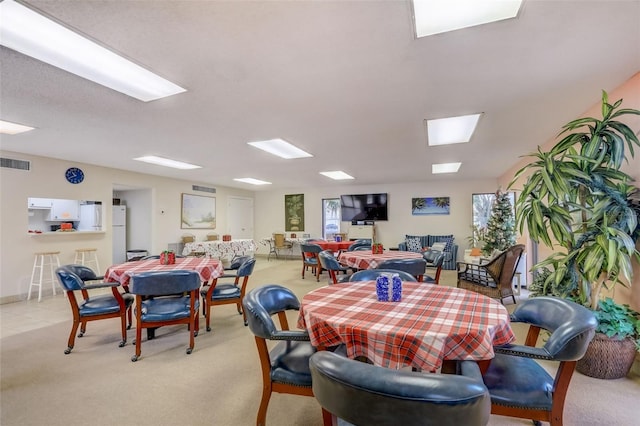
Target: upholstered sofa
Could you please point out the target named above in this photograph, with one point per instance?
(450, 251)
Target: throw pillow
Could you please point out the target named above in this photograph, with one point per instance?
(447, 239)
(439, 246)
(414, 244)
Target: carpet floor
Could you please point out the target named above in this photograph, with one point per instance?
(218, 384)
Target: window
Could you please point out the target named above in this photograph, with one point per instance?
(330, 217)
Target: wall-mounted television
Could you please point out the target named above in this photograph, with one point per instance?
(364, 207)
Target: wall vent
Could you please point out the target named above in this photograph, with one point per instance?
(203, 189)
(10, 163)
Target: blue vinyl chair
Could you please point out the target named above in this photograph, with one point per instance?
(94, 308)
(415, 267)
(225, 293)
(365, 394)
(310, 253)
(329, 262)
(285, 368)
(360, 243)
(435, 260)
(372, 274)
(519, 386)
(158, 303)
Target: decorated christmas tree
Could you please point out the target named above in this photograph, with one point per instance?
(501, 228)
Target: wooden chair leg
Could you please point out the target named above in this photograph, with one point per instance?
(72, 337)
(264, 404)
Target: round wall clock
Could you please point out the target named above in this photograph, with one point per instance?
(74, 175)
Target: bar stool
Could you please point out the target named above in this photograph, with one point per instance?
(87, 256)
(42, 259)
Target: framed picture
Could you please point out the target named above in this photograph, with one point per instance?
(294, 212)
(198, 212)
(430, 205)
(481, 205)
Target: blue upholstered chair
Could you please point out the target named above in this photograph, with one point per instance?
(415, 267)
(225, 293)
(372, 274)
(94, 308)
(329, 262)
(285, 368)
(360, 243)
(365, 394)
(518, 385)
(310, 253)
(435, 260)
(158, 303)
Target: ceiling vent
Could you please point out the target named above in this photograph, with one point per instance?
(10, 163)
(203, 189)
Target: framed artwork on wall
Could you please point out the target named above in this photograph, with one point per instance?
(430, 205)
(198, 212)
(294, 212)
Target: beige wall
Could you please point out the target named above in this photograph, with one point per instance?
(630, 93)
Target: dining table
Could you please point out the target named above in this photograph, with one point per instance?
(366, 259)
(222, 249)
(430, 325)
(334, 246)
(207, 268)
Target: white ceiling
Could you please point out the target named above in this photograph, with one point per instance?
(344, 80)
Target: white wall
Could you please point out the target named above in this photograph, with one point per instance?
(46, 180)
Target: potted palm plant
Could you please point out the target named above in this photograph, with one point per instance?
(577, 198)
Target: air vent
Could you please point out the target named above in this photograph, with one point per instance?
(10, 163)
(203, 189)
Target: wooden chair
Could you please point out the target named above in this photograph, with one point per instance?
(329, 262)
(519, 386)
(310, 259)
(212, 236)
(285, 368)
(493, 279)
(279, 243)
(94, 308)
(188, 238)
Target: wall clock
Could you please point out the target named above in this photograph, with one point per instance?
(74, 175)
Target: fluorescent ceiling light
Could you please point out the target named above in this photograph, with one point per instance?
(439, 16)
(26, 31)
(447, 131)
(253, 181)
(445, 168)
(167, 162)
(280, 148)
(337, 175)
(10, 128)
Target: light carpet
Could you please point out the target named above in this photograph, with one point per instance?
(218, 384)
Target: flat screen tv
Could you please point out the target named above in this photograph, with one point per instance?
(364, 207)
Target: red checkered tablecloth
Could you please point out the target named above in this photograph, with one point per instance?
(364, 259)
(430, 324)
(206, 267)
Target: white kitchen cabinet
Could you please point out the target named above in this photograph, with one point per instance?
(39, 203)
(64, 210)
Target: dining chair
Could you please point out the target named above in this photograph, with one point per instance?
(231, 271)
(493, 279)
(92, 308)
(224, 293)
(310, 259)
(372, 274)
(165, 298)
(415, 267)
(285, 368)
(360, 243)
(329, 262)
(280, 243)
(519, 386)
(365, 394)
(435, 260)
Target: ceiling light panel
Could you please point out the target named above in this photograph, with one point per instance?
(253, 181)
(281, 148)
(447, 131)
(337, 175)
(10, 128)
(28, 32)
(445, 168)
(440, 16)
(160, 161)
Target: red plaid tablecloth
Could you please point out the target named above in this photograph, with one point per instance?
(364, 259)
(430, 324)
(334, 245)
(206, 267)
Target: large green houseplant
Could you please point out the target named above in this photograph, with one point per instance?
(576, 201)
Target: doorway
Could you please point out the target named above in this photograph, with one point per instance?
(240, 217)
(330, 217)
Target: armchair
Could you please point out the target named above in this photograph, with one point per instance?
(414, 267)
(365, 394)
(329, 262)
(493, 279)
(434, 259)
(310, 259)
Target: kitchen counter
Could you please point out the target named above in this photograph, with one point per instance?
(35, 234)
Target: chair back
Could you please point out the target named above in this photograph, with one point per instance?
(83, 272)
(212, 236)
(372, 274)
(415, 267)
(188, 238)
(434, 258)
(161, 283)
(328, 261)
(246, 268)
(360, 243)
(69, 279)
(278, 240)
(310, 248)
(237, 261)
(360, 248)
(505, 264)
(263, 302)
(365, 394)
